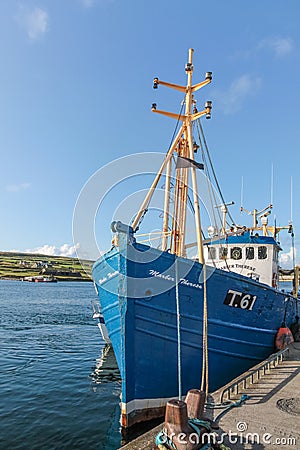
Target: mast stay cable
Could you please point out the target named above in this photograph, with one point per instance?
(170, 145)
(201, 133)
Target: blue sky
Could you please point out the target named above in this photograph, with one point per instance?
(76, 93)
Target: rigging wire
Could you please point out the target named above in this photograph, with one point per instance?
(177, 123)
(209, 185)
(172, 139)
(204, 378)
(178, 329)
(211, 165)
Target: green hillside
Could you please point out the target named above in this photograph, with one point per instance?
(20, 265)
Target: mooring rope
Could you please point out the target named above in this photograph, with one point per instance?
(204, 379)
(178, 330)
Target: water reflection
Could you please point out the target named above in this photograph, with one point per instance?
(106, 369)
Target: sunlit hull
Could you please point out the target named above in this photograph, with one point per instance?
(136, 287)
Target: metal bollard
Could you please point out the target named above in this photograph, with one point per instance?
(195, 401)
(176, 418)
(177, 427)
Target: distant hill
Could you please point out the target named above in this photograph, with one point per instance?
(19, 265)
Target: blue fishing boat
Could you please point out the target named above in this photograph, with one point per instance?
(178, 320)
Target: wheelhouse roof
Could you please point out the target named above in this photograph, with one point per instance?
(243, 238)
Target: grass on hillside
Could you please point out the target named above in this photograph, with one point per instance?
(20, 265)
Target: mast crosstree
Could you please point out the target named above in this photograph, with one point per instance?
(183, 145)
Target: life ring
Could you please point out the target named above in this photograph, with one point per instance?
(274, 280)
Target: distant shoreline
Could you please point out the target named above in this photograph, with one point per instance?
(81, 280)
(16, 266)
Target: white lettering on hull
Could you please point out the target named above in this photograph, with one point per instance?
(109, 276)
(168, 277)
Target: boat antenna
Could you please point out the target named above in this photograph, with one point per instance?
(272, 184)
(258, 215)
(224, 211)
(291, 230)
(242, 194)
(291, 187)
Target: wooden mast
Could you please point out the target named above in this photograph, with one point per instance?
(183, 146)
(164, 245)
(148, 197)
(191, 156)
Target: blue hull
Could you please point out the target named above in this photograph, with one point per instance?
(136, 287)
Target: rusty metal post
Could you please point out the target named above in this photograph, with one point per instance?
(176, 418)
(177, 428)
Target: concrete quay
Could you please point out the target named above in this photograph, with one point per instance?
(269, 419)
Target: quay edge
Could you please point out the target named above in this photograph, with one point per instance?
(260, 414)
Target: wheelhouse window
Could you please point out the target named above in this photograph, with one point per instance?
(212, 253)
(236, 253)
(223, 251)
(249, 252)
(262, 252)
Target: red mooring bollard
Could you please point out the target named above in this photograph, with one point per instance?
(177, 426)
(195, 401)
(176, 418)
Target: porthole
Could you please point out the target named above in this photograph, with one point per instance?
(262, 252)
(249, 252)
(236, 253)
(223, 252)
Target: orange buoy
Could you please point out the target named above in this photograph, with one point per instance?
(283, 337)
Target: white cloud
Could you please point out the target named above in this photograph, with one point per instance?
(17, 187)
(52, 250)
(68, 250)
(231, 100)
(280, 46)
(277, 46)
(35, 21)
(286, 259)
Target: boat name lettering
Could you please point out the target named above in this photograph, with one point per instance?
(239, 300)
(156, 273)
(188, 283)
(238, 266)
(108, 277)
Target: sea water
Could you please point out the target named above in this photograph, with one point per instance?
(55, 392)
(59, 384)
